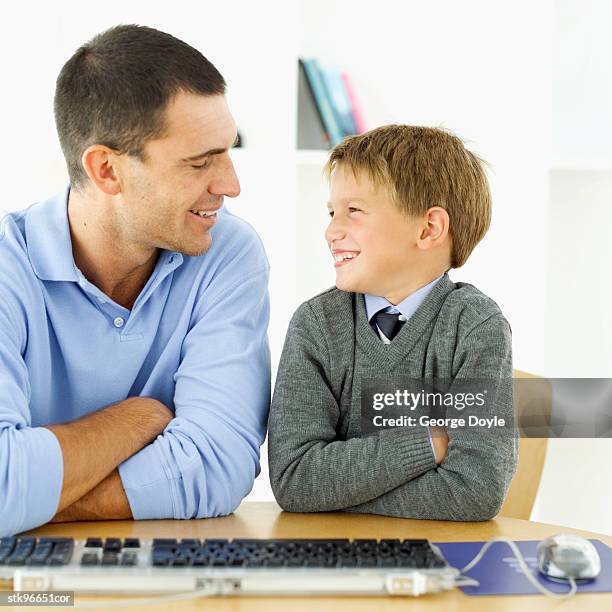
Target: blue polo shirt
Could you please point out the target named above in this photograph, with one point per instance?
(195, 339)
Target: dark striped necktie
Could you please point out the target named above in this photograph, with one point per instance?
(389, 323)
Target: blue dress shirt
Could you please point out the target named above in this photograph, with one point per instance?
(195, 339)
(407, 307)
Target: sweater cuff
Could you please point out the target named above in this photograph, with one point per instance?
(409, 451)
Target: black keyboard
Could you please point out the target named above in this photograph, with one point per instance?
(221, 553)
(295, 553)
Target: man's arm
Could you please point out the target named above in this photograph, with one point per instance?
(205, 462)
(93, 446)
(107, 500)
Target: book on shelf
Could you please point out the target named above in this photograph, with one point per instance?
(311, 128)
(327, 109)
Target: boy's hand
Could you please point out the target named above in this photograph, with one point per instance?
(439, 439)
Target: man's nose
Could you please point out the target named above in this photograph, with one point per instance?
(225, 182)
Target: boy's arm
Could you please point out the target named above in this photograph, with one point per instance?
(471, 483)
(310, 470)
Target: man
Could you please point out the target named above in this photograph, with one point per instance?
(134, 364)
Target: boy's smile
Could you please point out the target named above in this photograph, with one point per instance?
(342, 257)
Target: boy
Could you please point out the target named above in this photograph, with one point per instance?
(406, 205)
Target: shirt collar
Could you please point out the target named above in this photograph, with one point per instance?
(50, 244)
(48, 238)
(407, 307)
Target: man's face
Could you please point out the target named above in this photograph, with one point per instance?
(372, 242)
(188, 169)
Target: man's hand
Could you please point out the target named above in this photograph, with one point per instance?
(93, 446)
(439, 439)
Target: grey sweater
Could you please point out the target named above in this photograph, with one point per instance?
(319, 460)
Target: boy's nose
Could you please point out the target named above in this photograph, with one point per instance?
(334, 231)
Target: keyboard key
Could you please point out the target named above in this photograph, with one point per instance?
(191, 542)
(112, 545)
(24, 548)
(158, 542)
(93, 543)
(131, 543)
(89, 559)
(129, 559)
(180, 561)
(8, 541)
(161, 561)
(16, 560)
(36, 561)
(347, 562)
(236, 561)
(30, 540)
(201, 560)
(57, 561)
(215, 542)
(110, 558)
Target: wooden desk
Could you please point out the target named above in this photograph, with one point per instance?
(266, 520)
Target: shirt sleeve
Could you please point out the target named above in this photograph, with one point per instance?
(310, 469)
(206, 460)
(31, 464)
(472, 481)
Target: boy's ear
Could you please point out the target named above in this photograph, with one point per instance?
(99, 162)
(435, 229)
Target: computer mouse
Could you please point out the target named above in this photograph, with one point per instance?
(565, 556)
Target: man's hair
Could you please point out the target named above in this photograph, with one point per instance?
(421, 167)
(115, 88)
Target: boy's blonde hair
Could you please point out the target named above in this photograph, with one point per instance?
(421, 167)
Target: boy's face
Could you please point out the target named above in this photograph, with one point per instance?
(372, 242)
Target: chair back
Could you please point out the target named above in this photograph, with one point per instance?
(533, 403)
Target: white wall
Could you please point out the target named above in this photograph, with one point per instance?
(485, 70)
(576, 488)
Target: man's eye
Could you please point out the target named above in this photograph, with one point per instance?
(330, 213)
(200, 166)
(353, 209)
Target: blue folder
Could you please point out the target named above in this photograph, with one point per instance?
(499, 573)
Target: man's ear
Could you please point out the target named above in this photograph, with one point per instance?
(100, 164)
(435, 229)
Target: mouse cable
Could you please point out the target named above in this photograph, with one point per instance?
(524, 567)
